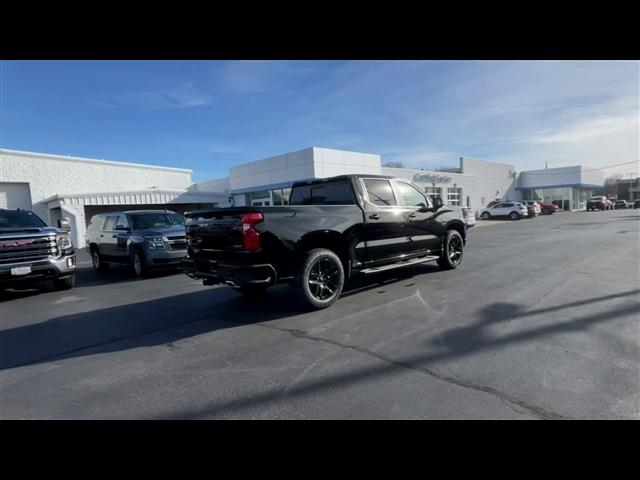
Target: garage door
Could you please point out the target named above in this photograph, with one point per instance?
(15, 195)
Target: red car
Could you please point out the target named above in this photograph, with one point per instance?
(548, 208)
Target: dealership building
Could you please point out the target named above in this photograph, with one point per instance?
(56, 186)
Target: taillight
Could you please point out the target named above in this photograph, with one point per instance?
(250, 236)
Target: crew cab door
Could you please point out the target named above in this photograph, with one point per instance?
(420, 219)
(383, 222)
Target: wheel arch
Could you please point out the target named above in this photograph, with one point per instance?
(328, 239)
(458, 226)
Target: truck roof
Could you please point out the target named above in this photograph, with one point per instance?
(120, 212)
(341, 177)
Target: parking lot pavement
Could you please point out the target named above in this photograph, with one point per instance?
(540, 321)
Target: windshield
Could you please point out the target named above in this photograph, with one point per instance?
(143, 221)
(19, 219)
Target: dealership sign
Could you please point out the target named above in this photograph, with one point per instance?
(430, 178)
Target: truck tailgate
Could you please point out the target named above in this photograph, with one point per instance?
(216, 229)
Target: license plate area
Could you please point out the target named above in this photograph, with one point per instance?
(21, 270)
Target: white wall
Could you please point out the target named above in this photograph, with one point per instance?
(272, 170)
(481, 180)
(592, 177)
(312, 162)
(49, 175)
(550, 177)
(218, 185)
(328, 162)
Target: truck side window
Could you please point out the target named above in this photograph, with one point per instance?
(410, 196)
(380, 192)
(331, 193)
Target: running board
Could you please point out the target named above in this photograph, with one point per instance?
(415, 261)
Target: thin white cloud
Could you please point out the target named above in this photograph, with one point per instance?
(257, 76)
(185, 95)
(591, 129)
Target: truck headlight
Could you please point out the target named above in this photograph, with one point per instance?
(155, 242)
(64, 242)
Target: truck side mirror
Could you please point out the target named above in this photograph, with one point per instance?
(63, 224)
(437, 203)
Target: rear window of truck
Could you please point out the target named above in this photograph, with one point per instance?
(331, 193)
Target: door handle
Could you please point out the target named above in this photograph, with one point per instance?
(101, 235)
(374, 216)
(412, 215)
(114, 236)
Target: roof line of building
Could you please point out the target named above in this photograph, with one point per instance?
(577, 185)
(489, 161)
(165, 191)
(93, 160)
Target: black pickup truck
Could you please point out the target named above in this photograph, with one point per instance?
(330, 228)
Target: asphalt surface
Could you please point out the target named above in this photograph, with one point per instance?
(541, 321)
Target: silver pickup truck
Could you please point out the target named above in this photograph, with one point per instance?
(31, 251)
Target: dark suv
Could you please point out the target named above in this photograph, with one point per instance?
(141, 239)
(31, 251)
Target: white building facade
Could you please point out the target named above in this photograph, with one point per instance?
(56, 186)
(568, 187)
(268, 182)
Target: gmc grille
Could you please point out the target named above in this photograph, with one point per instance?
(19, 250)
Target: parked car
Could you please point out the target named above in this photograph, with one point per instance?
(141, 239)
(598, 203)
(620, 204)
(636, 204)
(548, 208)
(331, 228)
(533, 203)
(31, 251)
(513, 210)
(469, 217)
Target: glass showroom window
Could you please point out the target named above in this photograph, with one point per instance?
(453, 196)
(433, 192)
(281, 196)
(286, 193)
(277, 196)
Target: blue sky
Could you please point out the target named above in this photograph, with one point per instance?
(209, 115)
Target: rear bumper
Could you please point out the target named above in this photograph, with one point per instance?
(50, 268)
(234, 274)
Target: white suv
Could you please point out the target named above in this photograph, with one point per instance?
(513, 210)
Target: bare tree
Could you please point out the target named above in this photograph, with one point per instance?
(611, 184)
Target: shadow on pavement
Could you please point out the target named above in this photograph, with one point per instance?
(458, 342)
(129, 326)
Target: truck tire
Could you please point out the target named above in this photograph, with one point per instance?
(452, 251)
(64, 283)
(486, 215)
(320, 279)
(99, 264)
(137, 263)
